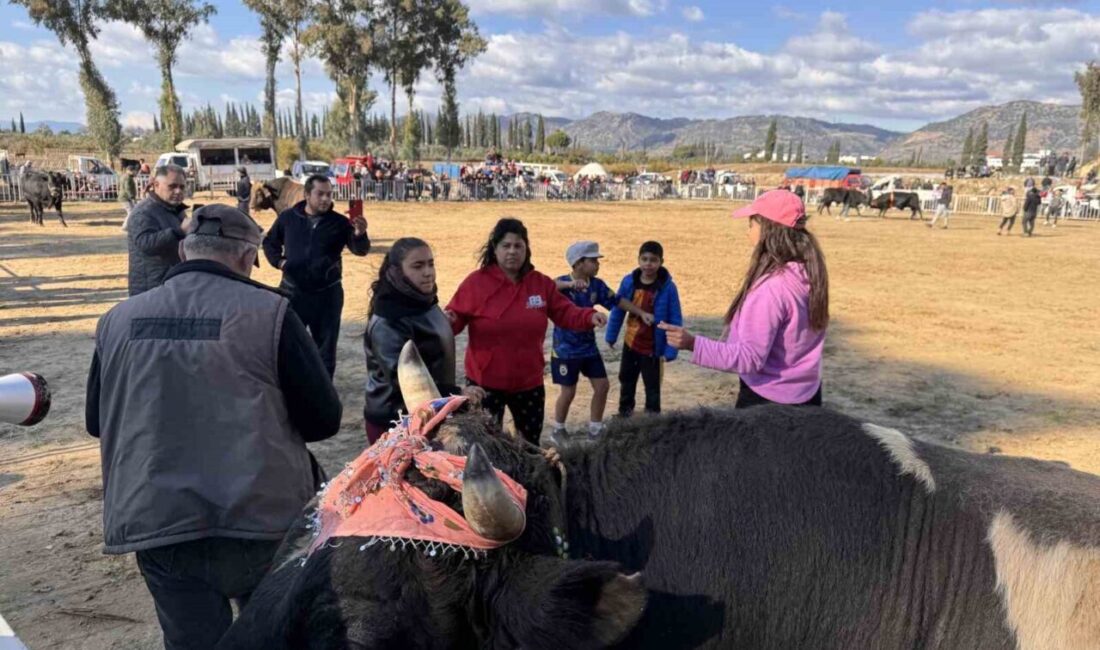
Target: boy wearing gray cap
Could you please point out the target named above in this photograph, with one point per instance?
(575, 353)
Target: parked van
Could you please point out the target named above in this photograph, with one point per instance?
(213, 162)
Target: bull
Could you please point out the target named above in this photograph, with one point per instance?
(899, 200)
(278, 195)
(769, 527)
(847, 198)
(44, 190)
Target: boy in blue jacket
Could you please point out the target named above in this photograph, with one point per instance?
(651, 289)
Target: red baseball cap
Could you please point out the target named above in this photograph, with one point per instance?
(781, 206)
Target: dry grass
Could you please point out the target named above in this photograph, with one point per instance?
(960, 335)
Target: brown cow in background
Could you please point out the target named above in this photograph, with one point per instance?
(278, 194)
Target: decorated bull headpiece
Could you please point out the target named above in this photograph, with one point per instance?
(372, 499)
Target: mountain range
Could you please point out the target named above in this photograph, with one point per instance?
(1050, 126)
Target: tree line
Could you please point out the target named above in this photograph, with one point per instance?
(401, 39)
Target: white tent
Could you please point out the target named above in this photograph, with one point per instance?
(591, 170)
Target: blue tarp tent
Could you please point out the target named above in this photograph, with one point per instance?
(450, 169)
(821, 173)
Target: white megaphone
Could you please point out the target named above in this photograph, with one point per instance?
(24, 398)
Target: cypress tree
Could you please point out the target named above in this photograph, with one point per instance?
(1021, 143)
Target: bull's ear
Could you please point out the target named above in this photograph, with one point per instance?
(546, 602)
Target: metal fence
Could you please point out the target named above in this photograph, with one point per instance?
(105, 188)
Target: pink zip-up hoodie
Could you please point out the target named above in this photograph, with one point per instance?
(771, 344)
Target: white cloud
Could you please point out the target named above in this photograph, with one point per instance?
(945, 62)
(693, 14)
(140, 119)
(567, 9)
(828, 72)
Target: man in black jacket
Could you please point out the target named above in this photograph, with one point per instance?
(203, 393)
(1032, 201)
(306, 242)
(244, 190)
(154, 230)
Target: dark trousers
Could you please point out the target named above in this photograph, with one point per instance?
(747, 397)
(1029, 222)
(1009, 221)
(528, 409)
(320, 312)
(630, 367)
(193, 582)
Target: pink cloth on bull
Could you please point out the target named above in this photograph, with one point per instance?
(371, 498)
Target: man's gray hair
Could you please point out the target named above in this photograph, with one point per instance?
(162, 172)
(207, 246)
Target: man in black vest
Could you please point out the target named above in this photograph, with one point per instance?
(306, 242)
(203, 392)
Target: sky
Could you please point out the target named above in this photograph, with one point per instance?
(892, 63)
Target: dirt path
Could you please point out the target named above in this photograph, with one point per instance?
(973, 339)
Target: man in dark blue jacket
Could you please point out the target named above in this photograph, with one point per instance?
(306, 242)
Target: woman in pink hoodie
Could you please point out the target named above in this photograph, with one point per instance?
(776, 323)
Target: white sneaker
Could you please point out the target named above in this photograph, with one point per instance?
(558, 438)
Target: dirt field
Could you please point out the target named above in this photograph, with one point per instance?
(987, 342)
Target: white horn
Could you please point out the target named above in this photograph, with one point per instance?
(414, 379)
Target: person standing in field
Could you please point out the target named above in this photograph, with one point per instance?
(943, 195)
(575, 353)
(645, 349)
(507, 305)
(404, 306)
(1032, 202)
(306, 243)
(775, 326)
(1010, 207)
(127, 193)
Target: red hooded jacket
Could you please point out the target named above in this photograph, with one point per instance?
(507, 322)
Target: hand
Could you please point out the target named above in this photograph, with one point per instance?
(360, 225)
(647, 318)
(474, 393)
(451, 316)
(598, 319)
(678, 337)
(580, 284)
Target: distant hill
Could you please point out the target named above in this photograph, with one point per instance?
(1049, 126)
(609, 132)
(56, 127)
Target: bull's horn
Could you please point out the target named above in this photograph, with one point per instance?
(489, 509)
(414, 379)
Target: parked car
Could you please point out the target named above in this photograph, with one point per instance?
(303, 169)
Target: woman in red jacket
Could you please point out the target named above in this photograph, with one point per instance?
(507, 305)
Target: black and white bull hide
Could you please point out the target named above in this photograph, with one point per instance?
(899, 200)
(842, 196)
(768, 527)
(278, 194)
(42, 191)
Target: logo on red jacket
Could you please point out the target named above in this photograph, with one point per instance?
(535, 302)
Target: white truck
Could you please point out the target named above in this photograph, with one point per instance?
(213, 162)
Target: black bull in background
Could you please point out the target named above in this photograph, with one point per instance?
(842, 196)
(899, 200)
(42, 191)
(769, 527)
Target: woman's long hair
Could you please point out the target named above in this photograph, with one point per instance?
(505, 226)
(778, 245)
(394, 258)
